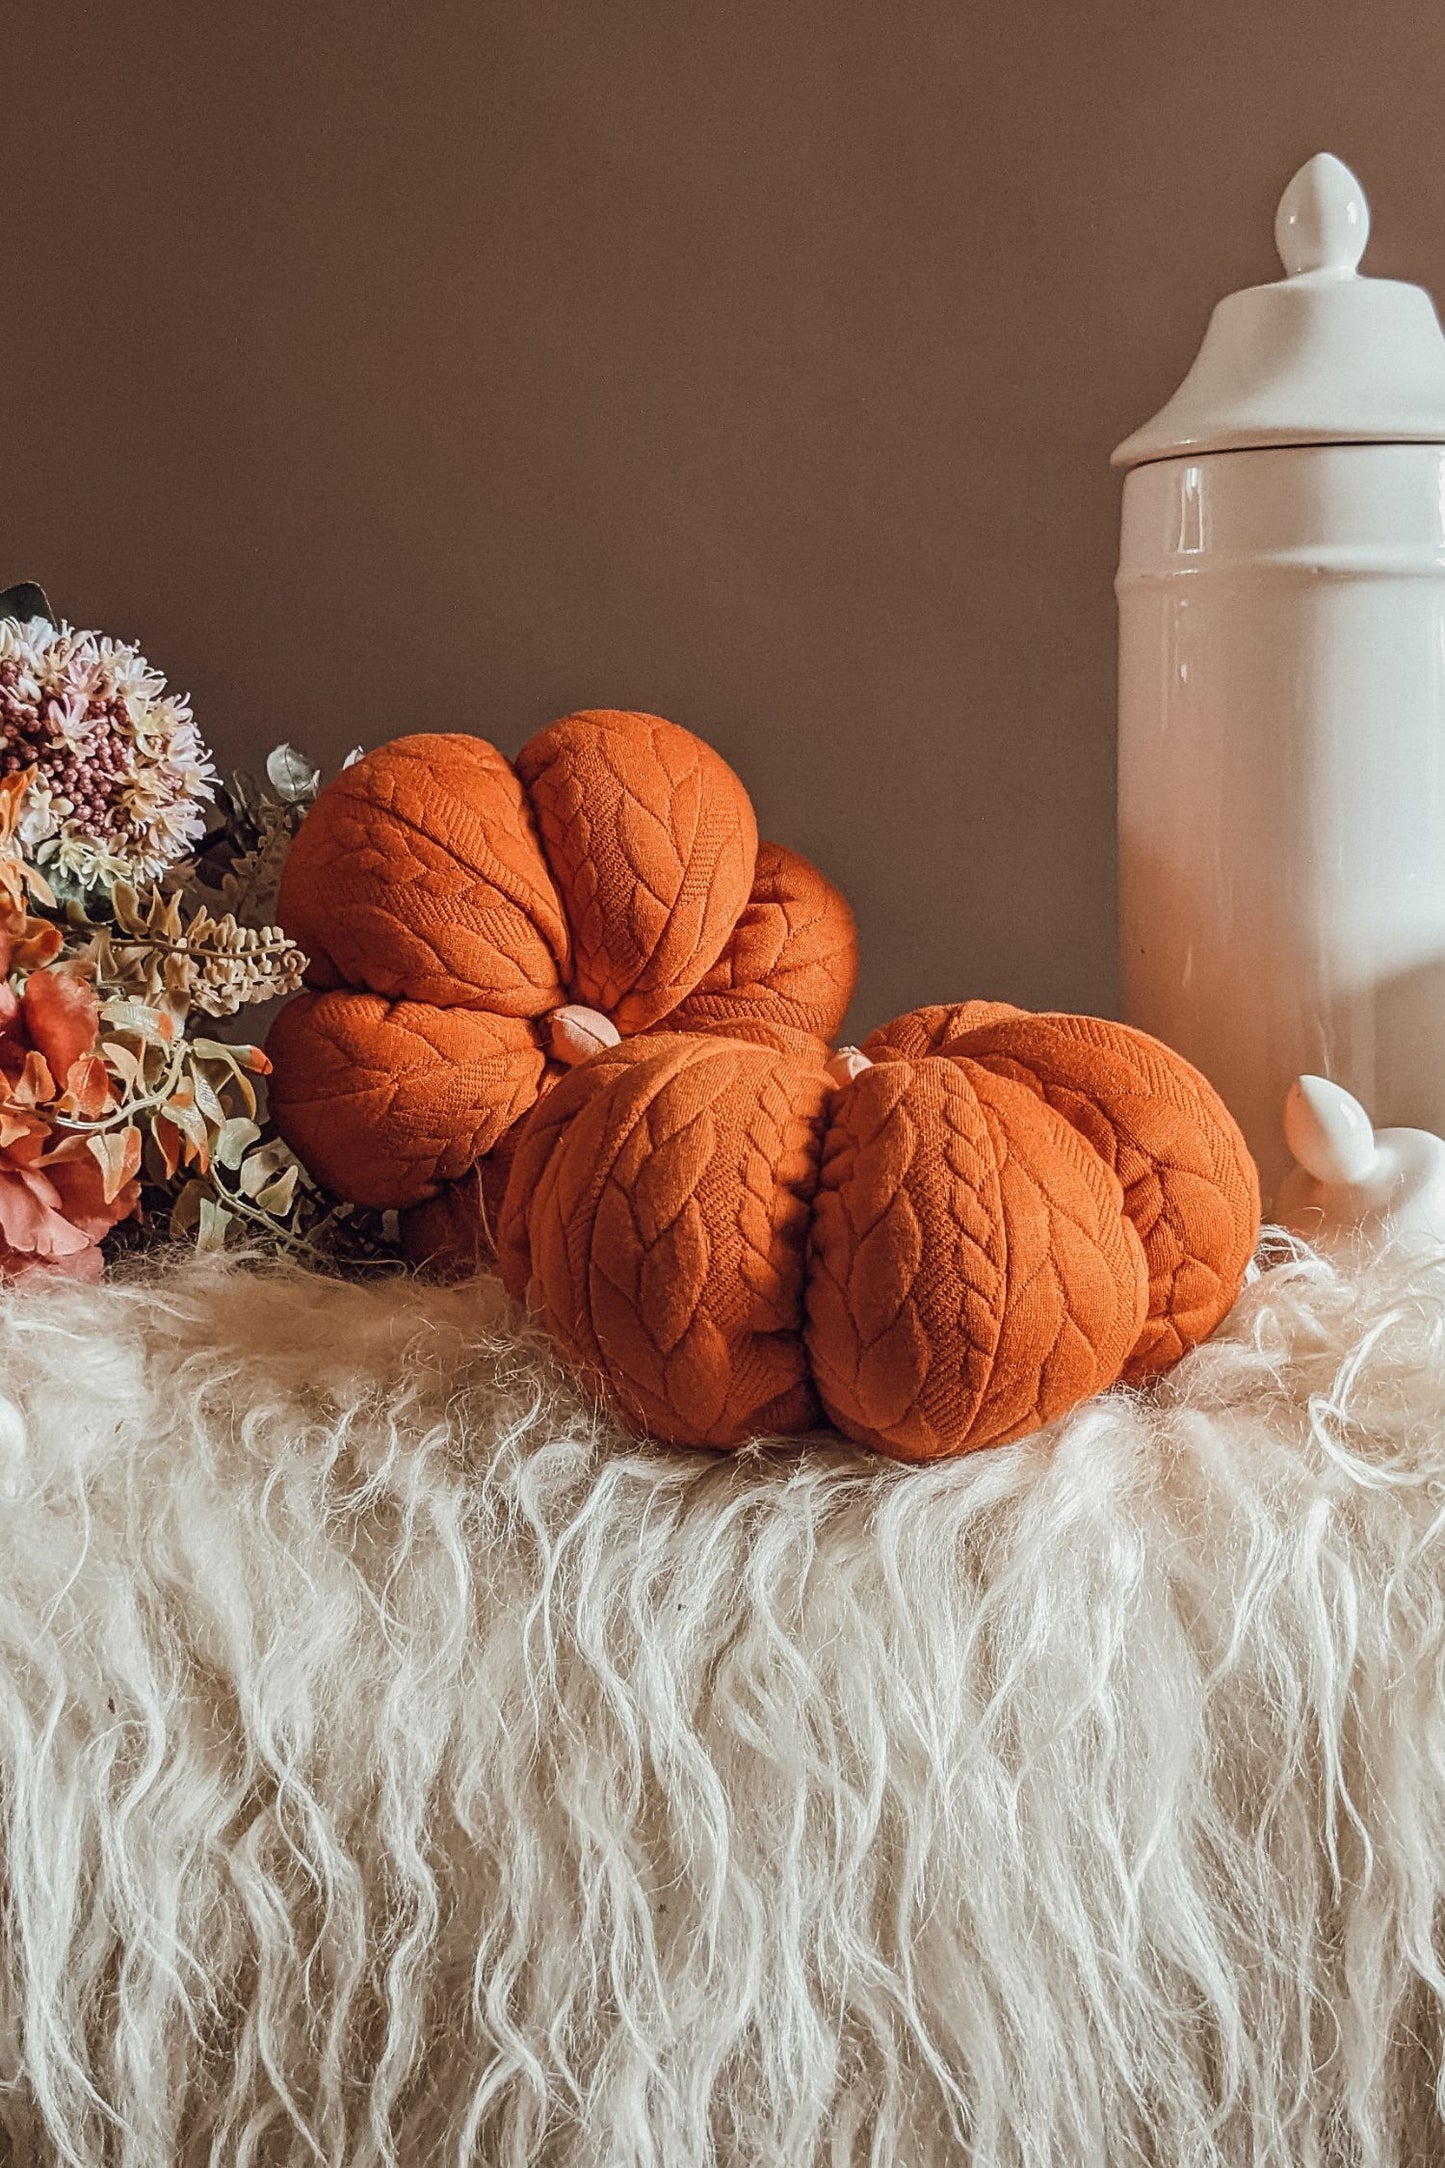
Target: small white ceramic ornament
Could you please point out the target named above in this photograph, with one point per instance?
(1354, 1181)
(1282, 688)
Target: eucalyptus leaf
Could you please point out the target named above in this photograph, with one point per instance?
(24, 601)
(293, 777)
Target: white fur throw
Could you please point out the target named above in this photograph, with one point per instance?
(397, 1767)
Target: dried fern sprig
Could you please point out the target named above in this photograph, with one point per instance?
(199, 962)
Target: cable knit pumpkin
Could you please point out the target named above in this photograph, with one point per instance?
(575, 1004)
(453, 904)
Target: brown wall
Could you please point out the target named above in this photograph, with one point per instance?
(451, 364)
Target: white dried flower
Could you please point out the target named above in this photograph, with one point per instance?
(120, 771)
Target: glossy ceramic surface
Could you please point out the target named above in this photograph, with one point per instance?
(1320, 356)
(1352, 1180)
(1282, 774)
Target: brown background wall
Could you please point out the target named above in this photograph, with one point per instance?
(450, 364)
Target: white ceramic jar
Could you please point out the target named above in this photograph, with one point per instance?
(1282, 689)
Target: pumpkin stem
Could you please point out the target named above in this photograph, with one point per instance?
(848, 1062)
(578, 1033)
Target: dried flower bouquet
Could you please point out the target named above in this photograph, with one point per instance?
(135, 899)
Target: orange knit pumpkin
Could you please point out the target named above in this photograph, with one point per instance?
(451, 904)
(938, 1247)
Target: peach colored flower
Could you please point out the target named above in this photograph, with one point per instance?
(25, 942)
(59, 1194)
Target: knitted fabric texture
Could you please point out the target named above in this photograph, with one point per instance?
(940, 1246)
(450, 903)
(944, 1252)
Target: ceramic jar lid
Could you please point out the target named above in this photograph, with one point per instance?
(1321, 356)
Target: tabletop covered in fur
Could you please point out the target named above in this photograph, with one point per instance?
(397, 1764)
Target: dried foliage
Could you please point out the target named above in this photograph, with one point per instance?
(118, 774)
(213, 965)
(125, 1109)
(240, 864)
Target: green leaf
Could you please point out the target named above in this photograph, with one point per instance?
(24, 601)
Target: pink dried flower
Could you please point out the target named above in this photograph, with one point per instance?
(120, 773)
(58, 1194)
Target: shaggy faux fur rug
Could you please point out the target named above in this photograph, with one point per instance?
(397, 1767)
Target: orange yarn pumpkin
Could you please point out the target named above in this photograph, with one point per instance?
(1002, 1215)
(941, 1247)
(451, 904)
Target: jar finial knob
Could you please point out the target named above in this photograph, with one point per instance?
(1323, 220)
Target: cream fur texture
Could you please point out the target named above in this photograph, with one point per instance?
(397, 1767)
